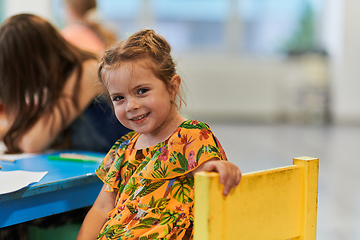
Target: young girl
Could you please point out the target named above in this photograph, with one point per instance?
(148, 174)
(49, 90)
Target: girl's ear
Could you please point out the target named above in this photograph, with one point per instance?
(174, 86)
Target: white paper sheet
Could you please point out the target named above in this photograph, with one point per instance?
(11, 181)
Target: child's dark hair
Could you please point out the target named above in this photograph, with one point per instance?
(144, 45)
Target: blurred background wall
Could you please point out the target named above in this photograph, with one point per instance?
(262, 61)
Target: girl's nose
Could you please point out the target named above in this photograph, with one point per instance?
(132, 104)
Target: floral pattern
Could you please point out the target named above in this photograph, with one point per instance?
(155, 198)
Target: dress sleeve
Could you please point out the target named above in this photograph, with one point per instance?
(192, 144)
(109, 169)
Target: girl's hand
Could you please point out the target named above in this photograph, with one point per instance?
(229, 173)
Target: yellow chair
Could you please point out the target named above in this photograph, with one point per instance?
(278, 203)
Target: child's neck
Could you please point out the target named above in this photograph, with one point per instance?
(166, 130)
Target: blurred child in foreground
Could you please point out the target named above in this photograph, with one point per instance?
(49, 91)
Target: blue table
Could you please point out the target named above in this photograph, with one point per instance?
(67, 186)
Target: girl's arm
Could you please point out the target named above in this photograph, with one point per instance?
(49, 125)
(97, 216)
(229, 173)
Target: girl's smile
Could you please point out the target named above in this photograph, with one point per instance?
(140, 119)
(142, 102)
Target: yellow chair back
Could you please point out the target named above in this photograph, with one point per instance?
(278, 203)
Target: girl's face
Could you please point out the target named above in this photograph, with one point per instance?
(141, 100)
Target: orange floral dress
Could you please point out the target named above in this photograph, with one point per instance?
(155, 198)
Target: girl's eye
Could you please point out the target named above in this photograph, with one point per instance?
(142, 91)
(117, 98)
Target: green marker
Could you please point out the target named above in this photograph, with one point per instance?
(75, 157)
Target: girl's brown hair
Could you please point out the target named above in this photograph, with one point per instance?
(35, 62)
(82, 7)
(143, 45)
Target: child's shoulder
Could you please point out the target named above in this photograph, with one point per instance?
(194, 125)
(124, 140)
(193, 129)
